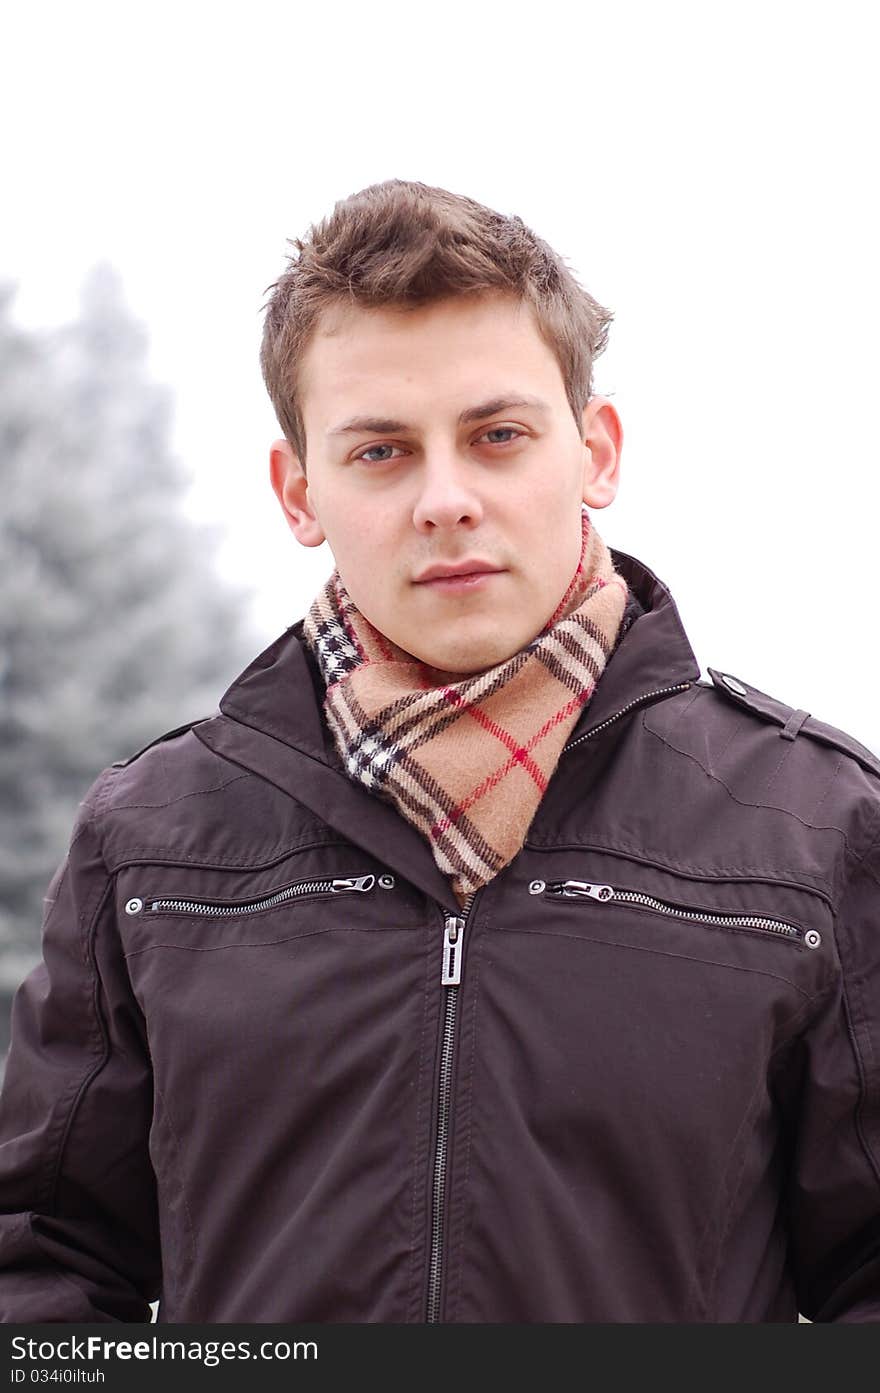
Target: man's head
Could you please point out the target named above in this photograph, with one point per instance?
(430, 362)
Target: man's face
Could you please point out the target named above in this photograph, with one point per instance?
(446, 471)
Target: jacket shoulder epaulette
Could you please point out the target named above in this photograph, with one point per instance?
(793, 721)
(168, 735)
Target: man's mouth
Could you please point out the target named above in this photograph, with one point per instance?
(469, 571)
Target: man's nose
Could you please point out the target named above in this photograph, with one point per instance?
(448, 496)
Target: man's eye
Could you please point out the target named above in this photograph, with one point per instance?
(502, 430)
(372, 450)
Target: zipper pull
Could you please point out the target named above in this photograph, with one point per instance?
(572, 890)
(361, 882)
(453, 937)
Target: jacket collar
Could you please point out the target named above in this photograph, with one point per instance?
(652, 653)
(271, 723)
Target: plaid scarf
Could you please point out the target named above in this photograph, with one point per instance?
(466, 762)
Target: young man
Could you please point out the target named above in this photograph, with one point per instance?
(478, 961)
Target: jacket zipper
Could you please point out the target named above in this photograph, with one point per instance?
(450, 978)
(338, 886)
(639, 701)
(583, 890)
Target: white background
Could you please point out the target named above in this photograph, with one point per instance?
(709, 172)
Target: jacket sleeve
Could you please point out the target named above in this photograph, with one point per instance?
(78, 1214)
(835, 1196)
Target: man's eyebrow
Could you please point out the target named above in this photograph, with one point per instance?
(385, 425)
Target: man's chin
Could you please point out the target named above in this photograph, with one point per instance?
(456, 662)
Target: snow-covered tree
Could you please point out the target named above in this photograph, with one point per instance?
(114, 624)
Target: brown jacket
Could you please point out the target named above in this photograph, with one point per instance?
(269, 1073)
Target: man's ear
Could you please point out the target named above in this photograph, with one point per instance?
(292, 491)
(602, 434)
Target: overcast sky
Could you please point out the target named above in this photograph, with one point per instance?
(708, 171)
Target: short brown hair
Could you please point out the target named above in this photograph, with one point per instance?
(405, 243)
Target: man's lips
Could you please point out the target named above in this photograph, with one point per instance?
(456, 570)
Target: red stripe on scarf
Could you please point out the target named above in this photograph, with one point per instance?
(503, 770)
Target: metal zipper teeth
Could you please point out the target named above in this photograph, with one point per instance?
(350, 885)
(639, 701)
(581, 890)
(435, 1271)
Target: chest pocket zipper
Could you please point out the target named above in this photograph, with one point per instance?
(344, 885)
(758, 923)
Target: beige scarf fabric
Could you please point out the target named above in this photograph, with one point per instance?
(466, 762)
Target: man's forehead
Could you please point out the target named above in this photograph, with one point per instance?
(360, 373)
